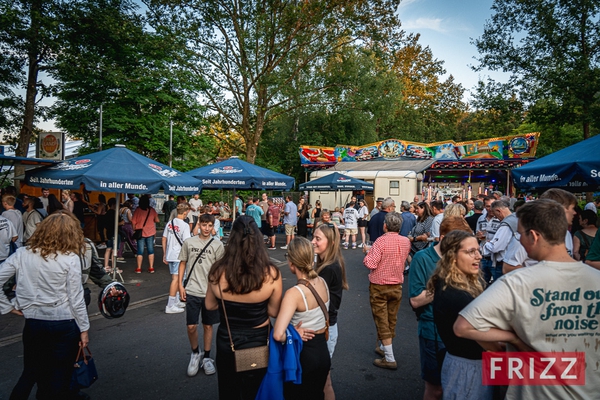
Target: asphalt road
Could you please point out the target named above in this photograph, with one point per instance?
(145, 354)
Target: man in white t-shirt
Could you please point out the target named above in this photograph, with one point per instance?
(174, 234)
(516, 256)
(350, 225)
(524, 308)
(195, 209)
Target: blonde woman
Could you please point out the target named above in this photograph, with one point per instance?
(50, 297)
(455, 210)
(456, 281)
(66, 200)
(331, 267)
(300, 307)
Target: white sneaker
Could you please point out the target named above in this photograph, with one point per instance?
(283, 247)
(194, 364)
(173, 309)
(208, 365)
(180, 304)
(360, 246)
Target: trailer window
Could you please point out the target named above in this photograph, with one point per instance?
(394, 188)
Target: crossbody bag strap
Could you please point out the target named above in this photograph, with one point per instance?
(146, 220)
(226, 319)
(317, 297)
(195, 261)
(175, 233)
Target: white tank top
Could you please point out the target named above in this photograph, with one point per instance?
(311, 319)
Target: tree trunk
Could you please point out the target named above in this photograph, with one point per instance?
(27, 129)
(253, 135)
(31, 90)
(26, 132)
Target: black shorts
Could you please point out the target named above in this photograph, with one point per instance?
(362, 223)
(269, 231)
(195, 308)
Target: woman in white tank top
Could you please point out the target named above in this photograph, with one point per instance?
(300, 308)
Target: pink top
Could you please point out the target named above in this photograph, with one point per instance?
(139, 216)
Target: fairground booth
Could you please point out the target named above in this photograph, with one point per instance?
(403, 170)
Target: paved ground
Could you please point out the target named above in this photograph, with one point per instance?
(144, 355)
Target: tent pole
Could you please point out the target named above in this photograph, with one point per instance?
(234, 207)
(115, 269)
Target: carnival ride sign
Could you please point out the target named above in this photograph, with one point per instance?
(503, 148)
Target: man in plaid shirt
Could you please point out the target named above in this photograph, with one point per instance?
(386, 260)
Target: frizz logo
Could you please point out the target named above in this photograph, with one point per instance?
(533, 368)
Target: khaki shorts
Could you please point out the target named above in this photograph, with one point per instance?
(289, 230)
(350, 231)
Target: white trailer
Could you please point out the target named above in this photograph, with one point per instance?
(400, 180)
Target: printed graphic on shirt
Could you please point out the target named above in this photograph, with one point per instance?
(573, 311)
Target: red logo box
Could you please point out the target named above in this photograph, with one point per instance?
(533, 368)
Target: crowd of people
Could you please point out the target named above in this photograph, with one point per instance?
(477, 269)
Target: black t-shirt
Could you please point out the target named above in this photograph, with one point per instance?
(78, 210)
(446, 306)
(109, 222)
(332, 275)
(472, 221)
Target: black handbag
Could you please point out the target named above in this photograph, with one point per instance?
(137, 234)
(84, 370)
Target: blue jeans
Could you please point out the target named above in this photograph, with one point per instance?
(49, 348)
(145, 242)
(487, 269)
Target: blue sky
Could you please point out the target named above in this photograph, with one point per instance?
(448, 28)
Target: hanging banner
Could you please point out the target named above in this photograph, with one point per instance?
(504, 148)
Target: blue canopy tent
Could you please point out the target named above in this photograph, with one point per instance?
(117, 170)
(338, 182)
(238, 174)
(575, 168)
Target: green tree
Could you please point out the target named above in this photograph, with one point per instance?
(110, 59)
(28, 46)
(431, 106)
(551, 49)
(252, 53)
(498, 111)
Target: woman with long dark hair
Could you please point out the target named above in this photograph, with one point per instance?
(302, 218)
(456, 281)
(145, 218)
(247, 284)
(100, 208)
(50, 297)
(78, 207)
(54, 204)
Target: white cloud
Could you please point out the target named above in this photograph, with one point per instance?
(406, 3)
(440, 25)
(435, 24)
